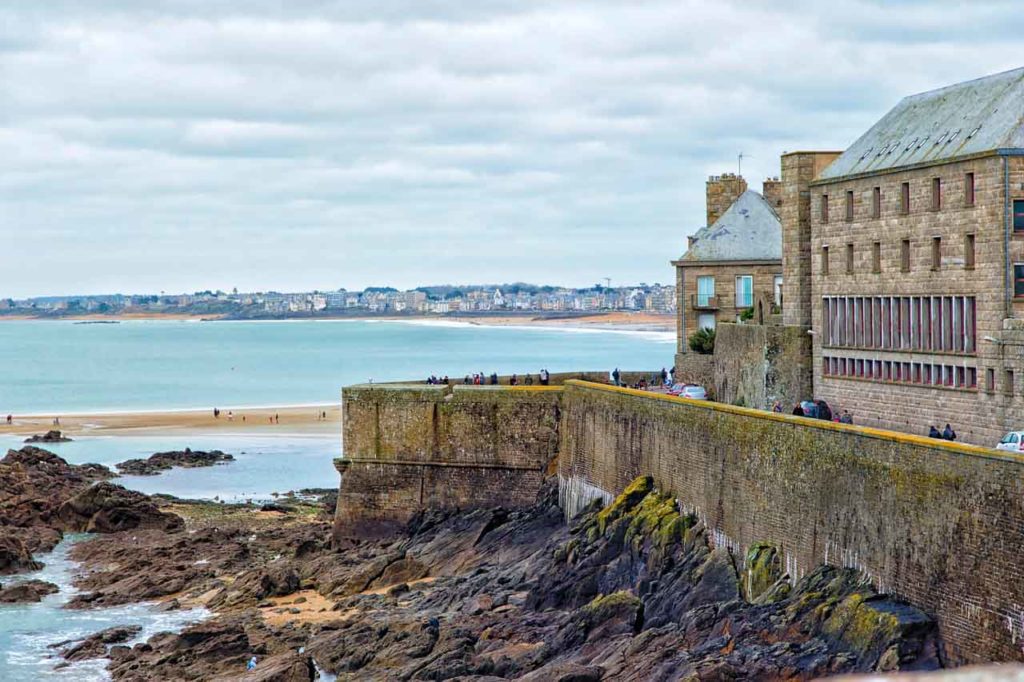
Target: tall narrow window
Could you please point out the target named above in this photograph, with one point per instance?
(969, 251)
(969, 189)
(1018, 215)
(705, 291)
(936, 194)
(849, 205)
(824, 261)
(936, 253)
(1008, 382)
(849, 259)
(876, 257)
(905, 255)
(876, 202)
(990, 380)
(1018, 280)
(824, 208)
(905, 198)
(744, 291)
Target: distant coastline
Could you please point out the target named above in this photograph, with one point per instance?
(646, 321)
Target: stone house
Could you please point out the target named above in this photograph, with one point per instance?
(904, 259)
(734, 263)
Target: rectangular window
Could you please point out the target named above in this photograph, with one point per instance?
(990, 380)
(972, 377)
(849, 205)
(849, 259)
(1018, 215)
(876, 257)
(705, 290)
(969, 189)
(905, 198)
(905, 255)
(970, 324)
(824, 260)
(777, 289)
(936, 194)
(744, 291)
(936, 253)
(824, 208)
(969, 251)
(1008, 382)
(876, 202)
(1018, 280)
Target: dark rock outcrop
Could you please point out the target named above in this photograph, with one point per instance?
(164, 461)
(48, 437)
(28, 591)
(109, 508)
(96, 645)
(15, 557)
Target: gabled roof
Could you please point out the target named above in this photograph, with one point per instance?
(968, 118)
(749, 230)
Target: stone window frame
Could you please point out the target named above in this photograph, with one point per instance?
(849, 258)
(824, 209)
(876, 202)
(876, 257)
(970, 248)
(849, 205)
(905, 198)
(936, 194)
(936, 253)
(970, 189)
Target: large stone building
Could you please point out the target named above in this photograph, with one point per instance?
(732, 263)
(904, 258)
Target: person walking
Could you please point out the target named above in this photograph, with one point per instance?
(616, 376)
(513, 380)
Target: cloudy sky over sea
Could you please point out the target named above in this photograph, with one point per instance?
(291, 145)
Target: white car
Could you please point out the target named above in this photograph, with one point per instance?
(692, 391)
(1013, 442)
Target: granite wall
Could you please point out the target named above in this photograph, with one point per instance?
(939, 524)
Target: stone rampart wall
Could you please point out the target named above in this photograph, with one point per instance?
(937, 523)
(414, 447)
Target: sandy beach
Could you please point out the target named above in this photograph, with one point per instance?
(300, 420)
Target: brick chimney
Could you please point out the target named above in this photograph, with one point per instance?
(771, 190)
(722, 191)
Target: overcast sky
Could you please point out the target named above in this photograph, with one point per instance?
(298, 144)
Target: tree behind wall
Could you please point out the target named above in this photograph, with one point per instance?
(703, 341)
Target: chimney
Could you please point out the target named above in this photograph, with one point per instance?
(722, 191)
(771, 190)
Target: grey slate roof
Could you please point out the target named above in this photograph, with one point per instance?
(959, 120)
(749, 230)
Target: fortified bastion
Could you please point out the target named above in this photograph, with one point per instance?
(938, 524)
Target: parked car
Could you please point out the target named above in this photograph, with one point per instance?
(692, 391)
(1013, 442)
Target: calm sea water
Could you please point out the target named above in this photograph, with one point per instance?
(60, 367)
(53, 367)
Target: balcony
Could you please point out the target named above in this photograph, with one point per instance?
(703, 302)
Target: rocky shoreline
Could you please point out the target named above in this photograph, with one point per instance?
(634, 591)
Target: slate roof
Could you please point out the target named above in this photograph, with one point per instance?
(959, 120)
(749, 230)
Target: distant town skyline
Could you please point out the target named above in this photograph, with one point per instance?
(172, 146)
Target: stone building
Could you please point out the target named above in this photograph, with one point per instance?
(904, 257)
(732, 264)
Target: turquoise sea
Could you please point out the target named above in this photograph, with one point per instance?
(56, 367)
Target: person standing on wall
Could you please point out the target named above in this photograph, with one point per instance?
(616, 376)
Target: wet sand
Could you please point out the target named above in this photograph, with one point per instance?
(302, 420)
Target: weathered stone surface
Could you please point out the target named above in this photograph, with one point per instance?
(95, 645)
(108, 508)
(164, 461)
(48, 437)
(28, 591)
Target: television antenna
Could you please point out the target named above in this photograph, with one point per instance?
(607, 282)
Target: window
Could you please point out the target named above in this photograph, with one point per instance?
(744, 291)
(969, 251)
(777, 288)
(849, 259)
(876, 202)
(1018, 215)
(990, 380)
(936, 194)
(1008, 382)
(936, 253)
(849, 205)
(705, 290)
(706, 321)
(1018, 280)
(905, 198)
(824, 208)
(824, 262)
(876, 257)
(969, 189)
(905, 256)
